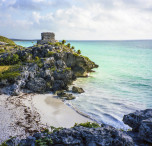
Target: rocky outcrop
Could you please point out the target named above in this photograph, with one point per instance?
(64, 95)
(141, 122)
(37, 85)
(79, 64)
(77, 90)
(145, 130)
(46, 68)
(92, 134)
(80, 136)
(134, 119)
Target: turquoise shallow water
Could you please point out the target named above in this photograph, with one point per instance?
(121, 84)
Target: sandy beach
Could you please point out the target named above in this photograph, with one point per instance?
(29, 113)
(54, 112)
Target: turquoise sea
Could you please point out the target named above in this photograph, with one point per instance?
(121, 84)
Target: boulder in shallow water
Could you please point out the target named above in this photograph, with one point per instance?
(145, 130)
(66, 96)
(77, 90)
(134, 119)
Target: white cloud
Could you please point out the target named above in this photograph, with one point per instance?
(91, 19)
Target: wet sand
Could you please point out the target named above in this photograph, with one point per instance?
(55, 113)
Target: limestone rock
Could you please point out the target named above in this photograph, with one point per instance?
(37, 85)
(145, 130)
(15, 90)
(134, 119)
(77, 90)
(79, 136)
(64, 95)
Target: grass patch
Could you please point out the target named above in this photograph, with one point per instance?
(75, 54)
(44, 141)
(9, 72)
(53, 68)
(4, 68)
(2, 50)
(6, 40)
(88, 125)
(68, 68)
(50, 53)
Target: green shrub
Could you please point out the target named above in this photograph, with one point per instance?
(53, 68)
(50, 53)
(72, 47)
(10, 60)
(40, 64)
(15, 59)
(44, 141)
(54, 129)
(75, 54)
(58, 51)
(37, 58)
(63, 42)
(79, 51)
(2, 50)
(68, 45)
(49, 43)
(57, 44)
(68, 68)
(88, 124)
(26, 57)
(10, 72)
(9, 75)
(87, 58)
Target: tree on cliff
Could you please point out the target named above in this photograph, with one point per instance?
(63, 42)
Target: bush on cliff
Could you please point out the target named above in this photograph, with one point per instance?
(50, 54)
(68, 45)
(9, 72)
(2, 50)
(63, 42)
(57, 44)
(10, 60)
(79, 51)
(88, 124)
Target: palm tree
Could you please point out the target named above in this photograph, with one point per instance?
(63, 42)
(72, 47)
(68, 45)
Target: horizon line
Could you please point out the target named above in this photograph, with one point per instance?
(86, 40)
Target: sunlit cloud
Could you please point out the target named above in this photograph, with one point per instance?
(77, 19)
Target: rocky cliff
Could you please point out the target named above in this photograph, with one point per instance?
(42, 68)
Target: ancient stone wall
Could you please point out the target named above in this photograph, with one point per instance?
(46, 37)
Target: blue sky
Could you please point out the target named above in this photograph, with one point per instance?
(77, 19)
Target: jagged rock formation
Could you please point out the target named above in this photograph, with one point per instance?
(77, 89)
(141, 123)
(79, 136)
(91, 134)
(49, 67)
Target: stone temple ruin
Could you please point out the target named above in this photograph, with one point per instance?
(47, 37)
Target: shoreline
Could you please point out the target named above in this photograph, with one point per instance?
(59, 111)
(29, 113)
